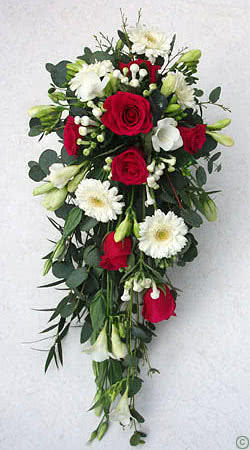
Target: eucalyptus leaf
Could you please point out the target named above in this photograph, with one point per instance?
(36, 173)
(47, 158)
(91, 256)
(62, 269)
(77, 277)
(64, 211)
(191, 217)
(59, 73)
(88, 223)
(201, 176)
(66, 158)
(215, 95)
(68, 309)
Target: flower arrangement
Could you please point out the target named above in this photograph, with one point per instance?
(127, 190)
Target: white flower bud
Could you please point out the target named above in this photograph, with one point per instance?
(151, 180)
(126, 295)
(125, 71)
(142, 73)
(100, 138)
(108, 160)
(97, 112)
(147, 283)
(90, 104)
(150, 201)
(152, 86)
(77, 120)
(158, 173)
(86, 152)
(117, 74)
(137, 285)
(134, 83)
(83, 131)
(151, 167)
(134, 68)
(124, 80)
(86, 121)
(155, 292)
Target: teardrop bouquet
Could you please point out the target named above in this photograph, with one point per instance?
(127, 190)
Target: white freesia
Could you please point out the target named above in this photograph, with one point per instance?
(119, 349)
(162, 235)
(126, 293)
(99, 350)
(91, 80)
(175, 82)
(166, 135)
(121, 413)
(150, 41)
(98, 200)
(184, 92)
(155, 292)
(59, 175)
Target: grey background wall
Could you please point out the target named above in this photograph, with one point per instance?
(201, 399)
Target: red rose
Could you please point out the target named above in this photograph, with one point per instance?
(152, 69)
(156, 310)
(71, 134)
(115, 253)
(193, 138)
(129, 167)
(127, 114)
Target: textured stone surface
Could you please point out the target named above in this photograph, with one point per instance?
(201, 400)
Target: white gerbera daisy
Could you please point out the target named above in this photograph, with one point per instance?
(162, 235)
(166, 135)
(87, 82)
(184, 92)
(149, 41)
(98, 200)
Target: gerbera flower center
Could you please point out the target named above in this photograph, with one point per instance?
(162, 234)
(97, 202)
(150, 38)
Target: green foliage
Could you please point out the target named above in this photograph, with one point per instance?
(77, 277)
(62, 269)
(91, 256)
(36, 173)
(98, 311)
(86, 331)
(191, 218)
(72, 221)
(215, 95)
(93, 294)
(47, 158)
(201, 176)
(58, 73)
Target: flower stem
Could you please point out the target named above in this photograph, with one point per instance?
(174, 191)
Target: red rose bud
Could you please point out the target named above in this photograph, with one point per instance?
(130, 167)
(71, 134)
(152, 69)
(193, 138)
(156, 310)
(115, 253)
(127, 114)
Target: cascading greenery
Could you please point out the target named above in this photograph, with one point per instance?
(93, 294)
